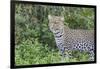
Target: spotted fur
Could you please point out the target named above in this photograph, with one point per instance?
(70, 39)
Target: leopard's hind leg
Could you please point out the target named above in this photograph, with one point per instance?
(91, 56)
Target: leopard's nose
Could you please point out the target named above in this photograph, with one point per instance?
(56, 29)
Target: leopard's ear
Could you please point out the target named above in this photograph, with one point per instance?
(49, 17)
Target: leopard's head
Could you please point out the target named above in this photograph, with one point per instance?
(56, 23)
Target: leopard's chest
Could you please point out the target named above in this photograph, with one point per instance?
(59, 38)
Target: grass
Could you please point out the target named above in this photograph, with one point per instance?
(29, 52)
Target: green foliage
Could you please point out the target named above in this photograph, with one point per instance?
(80, 18)
(34, 43)
(35, 53)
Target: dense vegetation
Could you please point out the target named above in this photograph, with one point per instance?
(34, 43)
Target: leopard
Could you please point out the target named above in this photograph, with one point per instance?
(68, 39)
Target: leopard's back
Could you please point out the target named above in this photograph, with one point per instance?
(79, 33)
